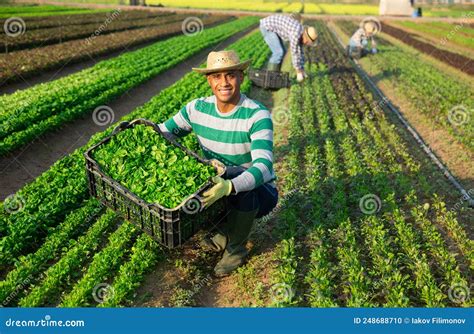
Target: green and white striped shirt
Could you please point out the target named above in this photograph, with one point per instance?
(241, 137)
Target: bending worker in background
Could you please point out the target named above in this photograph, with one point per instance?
(358, 44)
(238, 132)
(278, 28)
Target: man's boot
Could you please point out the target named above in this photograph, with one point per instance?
(239, 226)
(273, 67)
(216, 243)
(216, 239)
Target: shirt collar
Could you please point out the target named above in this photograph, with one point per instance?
(233, 111)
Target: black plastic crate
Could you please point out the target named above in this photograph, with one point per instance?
(170, 227)
(269, 79)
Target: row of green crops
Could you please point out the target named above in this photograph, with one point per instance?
(365, 229)
(41, 22)
(31, 112)
(441, 96)
(143, 161)
(30, 266)
(43, 10)
(54, 35)
(131, 257)
(461, 34)
(54, 279)
(20, 64)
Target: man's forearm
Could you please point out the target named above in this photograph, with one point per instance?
(166, 132)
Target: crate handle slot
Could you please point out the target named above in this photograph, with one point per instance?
(120, 127)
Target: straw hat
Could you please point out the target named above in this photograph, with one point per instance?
(218, 61)
(371, 25)
(311, 33)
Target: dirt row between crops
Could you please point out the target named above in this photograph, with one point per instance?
(24, 165)
(456, 60)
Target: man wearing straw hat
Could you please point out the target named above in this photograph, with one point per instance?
(278, 28)
(358, 44)
(237, 131)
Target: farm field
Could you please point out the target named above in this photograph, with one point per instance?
(39, 11)
(446, 109)
(364, 219)
(442, 32)
(310, 6)
(64, 33)
(463, 63)
(25, 63)
(29, 113)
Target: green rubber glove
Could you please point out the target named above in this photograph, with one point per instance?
(222, 188)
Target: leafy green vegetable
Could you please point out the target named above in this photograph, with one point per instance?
(143, 161)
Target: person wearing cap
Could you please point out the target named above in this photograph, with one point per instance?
(358, 44)
(278, 28)
(238, 132)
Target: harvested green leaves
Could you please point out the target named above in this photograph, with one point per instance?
(150, 167)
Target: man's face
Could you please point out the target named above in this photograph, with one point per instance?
(307, 41)
(226, 85)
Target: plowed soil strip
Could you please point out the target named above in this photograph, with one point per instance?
(453, 59)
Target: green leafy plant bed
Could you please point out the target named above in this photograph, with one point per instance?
(143, 161)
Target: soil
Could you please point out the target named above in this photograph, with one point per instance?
(456, 60)
(160, 285)
(24, 165)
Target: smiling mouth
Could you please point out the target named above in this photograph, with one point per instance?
(225, 90)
